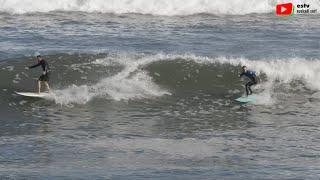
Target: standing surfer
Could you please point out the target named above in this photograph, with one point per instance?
(44, 78)
(252, 77)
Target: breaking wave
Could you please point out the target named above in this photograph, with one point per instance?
(157, 75)
(141, 76)
(154, 7)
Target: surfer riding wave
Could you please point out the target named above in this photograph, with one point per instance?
(44, 77)
(253, 79)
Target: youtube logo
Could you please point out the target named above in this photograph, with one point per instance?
(284, 9)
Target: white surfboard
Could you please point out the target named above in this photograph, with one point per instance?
(32, 94)
(246, 99)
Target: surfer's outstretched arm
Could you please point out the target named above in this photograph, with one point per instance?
(36, 65)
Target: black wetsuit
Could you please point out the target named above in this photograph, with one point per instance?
(45, 67)
(253, 80)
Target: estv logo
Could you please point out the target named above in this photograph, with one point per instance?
(284, 9)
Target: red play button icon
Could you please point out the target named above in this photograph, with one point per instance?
(284, 9)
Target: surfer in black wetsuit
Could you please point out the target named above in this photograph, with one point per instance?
(44, 78)
(252, 76)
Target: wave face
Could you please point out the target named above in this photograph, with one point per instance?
(78, 79)
(154, 7)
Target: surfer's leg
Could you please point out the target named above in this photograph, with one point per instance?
(39, 87)
(47, 85)
(247, 88)
(251, 83)
(250, 90)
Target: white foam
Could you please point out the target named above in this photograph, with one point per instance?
(129, 84)
(73, 94)
(154, 7)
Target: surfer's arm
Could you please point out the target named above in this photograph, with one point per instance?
(240, 75)
(36, 65)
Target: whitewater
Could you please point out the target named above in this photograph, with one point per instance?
(154, 7)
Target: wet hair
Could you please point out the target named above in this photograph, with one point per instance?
(36, 54)
(244, 67)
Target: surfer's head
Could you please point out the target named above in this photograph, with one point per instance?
(38, 56)
(244, 68)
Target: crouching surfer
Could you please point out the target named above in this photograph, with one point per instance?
(251, 75)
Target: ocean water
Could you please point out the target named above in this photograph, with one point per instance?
(145, 89)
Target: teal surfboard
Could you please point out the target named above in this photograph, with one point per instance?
(246, 99)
